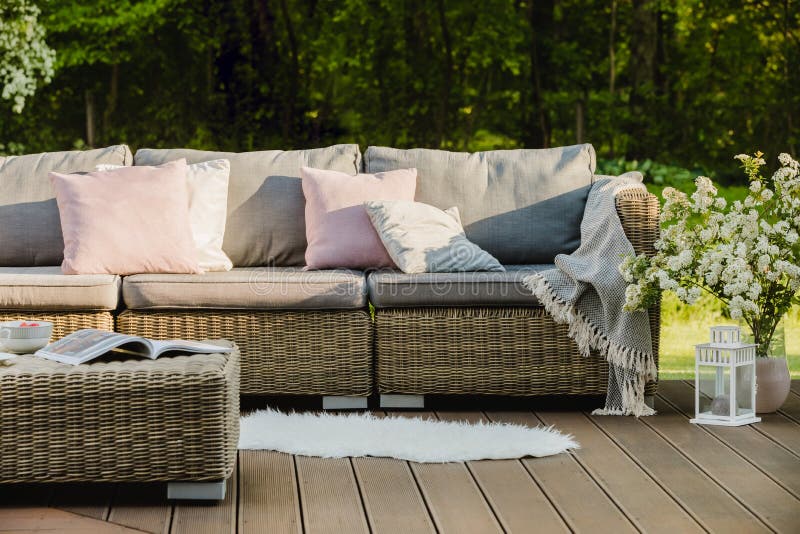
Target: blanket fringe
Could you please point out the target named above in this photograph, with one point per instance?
(588, 337)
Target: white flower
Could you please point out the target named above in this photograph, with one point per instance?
(625, 269)
(755, 291)
(693, 294)
(682, 294)
(24, 55)
(755, 186)
(633, 297)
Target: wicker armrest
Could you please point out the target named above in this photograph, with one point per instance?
(639, 211)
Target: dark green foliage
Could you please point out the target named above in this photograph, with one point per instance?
(653, 172)
(691, 81)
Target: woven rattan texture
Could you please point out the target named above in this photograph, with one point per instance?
(283, 353)
(64, 322)
(500, 351)
(175, 418)
(488, 351)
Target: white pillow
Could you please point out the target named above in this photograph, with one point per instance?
(208, 209)
(424, 239)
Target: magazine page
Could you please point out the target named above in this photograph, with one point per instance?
(160, 347)
(84, 345)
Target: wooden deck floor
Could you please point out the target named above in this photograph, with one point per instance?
(655, 474)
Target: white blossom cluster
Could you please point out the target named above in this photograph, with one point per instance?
(24, 54)
(745, 253)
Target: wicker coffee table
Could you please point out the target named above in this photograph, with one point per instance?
(174, 419)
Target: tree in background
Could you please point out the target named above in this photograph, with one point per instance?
(25, 58)
(685, 81)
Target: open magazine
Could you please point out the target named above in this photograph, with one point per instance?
(87, 344)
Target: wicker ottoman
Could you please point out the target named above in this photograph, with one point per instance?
(174, 419)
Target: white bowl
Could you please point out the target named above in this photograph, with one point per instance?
(15, 330)
(23, 346)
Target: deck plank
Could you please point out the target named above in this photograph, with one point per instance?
(453, 498)
(577, 497)
(645, 502)
(269, 500)
(796, 386)
(392, 499)
(516, 499)
(697, 493)
(757, 492)
(329, 496)
(208, 517)
(778, 427)
(40, 519)
(791, 408)
(87, 499)
(773, 459)
(143, 507)
(455, 501)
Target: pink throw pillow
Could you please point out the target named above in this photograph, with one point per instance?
(126, 221)
(338, 229)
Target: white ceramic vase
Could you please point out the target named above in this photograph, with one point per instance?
(772, 377)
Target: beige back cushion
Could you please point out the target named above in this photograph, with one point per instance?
(30, 228)
(266, 206)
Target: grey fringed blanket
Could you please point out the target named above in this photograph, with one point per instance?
(587, 292)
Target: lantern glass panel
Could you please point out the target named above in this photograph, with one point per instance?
(714, 385)
(744, 389)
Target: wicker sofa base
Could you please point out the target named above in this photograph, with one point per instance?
(304, 352)
(481, 351)
(172, 419)
(64, 322)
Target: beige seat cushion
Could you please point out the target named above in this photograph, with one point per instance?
(46, 288)
(396, 289)
(248, 288)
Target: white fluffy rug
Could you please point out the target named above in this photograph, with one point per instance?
(418, 440)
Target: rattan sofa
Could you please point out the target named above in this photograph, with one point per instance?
(340, 334)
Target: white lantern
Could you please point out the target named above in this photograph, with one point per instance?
(725, 380)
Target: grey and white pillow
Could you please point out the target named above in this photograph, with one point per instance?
(424, 239)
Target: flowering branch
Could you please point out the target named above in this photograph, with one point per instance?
(24, 54)
(746, 254)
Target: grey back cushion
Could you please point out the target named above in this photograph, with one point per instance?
(30, 226)
(521, 206)
(266, 206)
